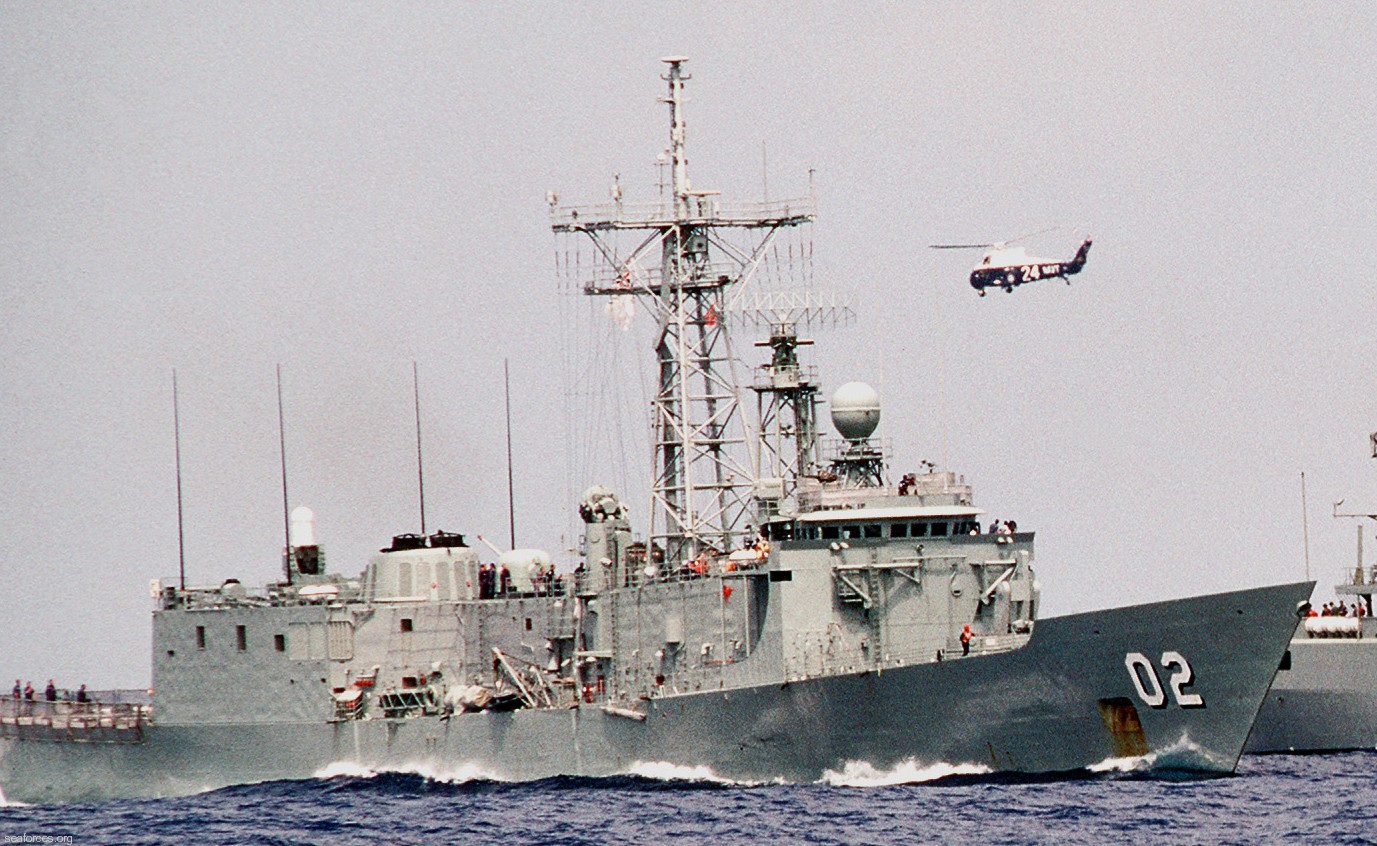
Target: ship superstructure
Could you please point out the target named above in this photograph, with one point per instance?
(1324, 698)
(789, 610)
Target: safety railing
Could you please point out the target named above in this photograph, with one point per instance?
(90, 722)
(697, 210)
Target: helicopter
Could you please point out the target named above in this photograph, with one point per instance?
(1006, 267)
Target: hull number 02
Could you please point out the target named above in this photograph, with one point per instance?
(1149, 684)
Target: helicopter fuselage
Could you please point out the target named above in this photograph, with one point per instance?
(1009, 268)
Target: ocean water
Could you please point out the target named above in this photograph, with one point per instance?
(1272, 799)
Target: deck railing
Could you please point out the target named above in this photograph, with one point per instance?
(62, 720)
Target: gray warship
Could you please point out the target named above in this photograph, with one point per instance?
(789, 612)
(1324, 698)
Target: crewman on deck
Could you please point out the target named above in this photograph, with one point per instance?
(965, 640)
(50, 692)
(699, 565)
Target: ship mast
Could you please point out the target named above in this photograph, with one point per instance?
(703, 471)
(786, 390)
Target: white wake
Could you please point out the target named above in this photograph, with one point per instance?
(1183, 755)
(459, 774)
(866, 774)
(666, 771)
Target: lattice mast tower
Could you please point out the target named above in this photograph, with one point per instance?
(703, 472)
(786, 389)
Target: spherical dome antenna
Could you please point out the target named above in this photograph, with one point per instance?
(855, 411)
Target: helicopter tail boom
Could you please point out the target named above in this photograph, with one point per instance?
(1075, 264)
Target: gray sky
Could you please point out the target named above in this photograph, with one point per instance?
(343, 188)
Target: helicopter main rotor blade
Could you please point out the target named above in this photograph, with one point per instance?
(1033, 234)
(959, 246)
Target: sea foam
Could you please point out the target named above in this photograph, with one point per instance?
(1182, 756)
(459, 774)
(866, 774)
(666, 771)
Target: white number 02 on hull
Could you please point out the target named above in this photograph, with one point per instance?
(1149, 684)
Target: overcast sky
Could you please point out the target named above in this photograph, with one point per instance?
(346, 188)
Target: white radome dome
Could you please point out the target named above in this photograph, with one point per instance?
(855, 410)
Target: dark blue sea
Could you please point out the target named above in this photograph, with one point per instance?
(1272, 799)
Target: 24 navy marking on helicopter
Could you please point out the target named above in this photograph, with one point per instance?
(1007, 267)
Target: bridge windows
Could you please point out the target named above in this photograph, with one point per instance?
(877, 531)
(783, 531)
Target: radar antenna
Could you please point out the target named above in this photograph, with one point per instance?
(702, 474)
(786, 391)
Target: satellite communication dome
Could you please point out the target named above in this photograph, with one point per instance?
(855, 411)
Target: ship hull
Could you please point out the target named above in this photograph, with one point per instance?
(1064, 701)
(1325, 701)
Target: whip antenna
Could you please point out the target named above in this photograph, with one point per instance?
(282, 451)
(420, 466)
(177, 448)
(511, 502)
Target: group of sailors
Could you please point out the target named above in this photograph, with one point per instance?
(50, 693)
(1338, 609)
(754, 550)
(495, 580)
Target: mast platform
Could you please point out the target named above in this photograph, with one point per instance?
(704, 211)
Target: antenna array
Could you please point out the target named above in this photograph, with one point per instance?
(681, 269)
